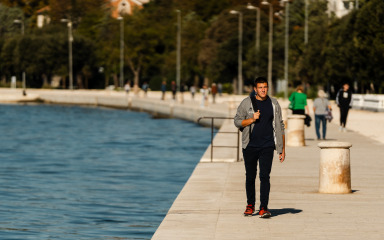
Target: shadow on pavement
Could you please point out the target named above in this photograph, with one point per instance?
(277, 212)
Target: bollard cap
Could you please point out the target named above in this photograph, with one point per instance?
(297, 116)
(334, 145)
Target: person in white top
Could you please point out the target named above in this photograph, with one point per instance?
(127, 87)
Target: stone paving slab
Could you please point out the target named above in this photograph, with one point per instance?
(211, 204)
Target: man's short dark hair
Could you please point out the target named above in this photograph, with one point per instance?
(260, 80)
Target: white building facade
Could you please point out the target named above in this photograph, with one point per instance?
(342, 7)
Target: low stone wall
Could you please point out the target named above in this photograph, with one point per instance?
(371, 102)
(120, 100)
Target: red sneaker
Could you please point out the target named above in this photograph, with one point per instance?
(249, 210)
(264, 213)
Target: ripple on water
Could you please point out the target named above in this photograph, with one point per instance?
(90, 173)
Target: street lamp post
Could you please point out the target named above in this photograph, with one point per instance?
(240, 52)
(286, 52)
(70, 40)
(270, 42)
(306, 23)
(257, 39)
(121, 19)
(178, 55)
(21, 22)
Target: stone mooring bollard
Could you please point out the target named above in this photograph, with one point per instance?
(295, 131)
(335, 170)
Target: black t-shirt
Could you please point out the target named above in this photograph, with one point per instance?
(262, 133)
(345, 98)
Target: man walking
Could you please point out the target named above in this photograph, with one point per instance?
(259, 117)
(344, 102)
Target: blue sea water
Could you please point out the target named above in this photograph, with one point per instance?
(71, 172)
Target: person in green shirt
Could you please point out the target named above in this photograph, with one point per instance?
(298, 101)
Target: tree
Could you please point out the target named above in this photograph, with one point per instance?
(148, 38)
(7, 17)
(339, 52)
(306, 61)
(192, 33)
(369, 42)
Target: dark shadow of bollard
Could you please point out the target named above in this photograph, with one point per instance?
(277, 212)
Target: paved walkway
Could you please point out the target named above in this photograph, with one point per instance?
(211, 204)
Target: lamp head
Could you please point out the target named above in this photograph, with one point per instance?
(234, 12)
(265, 2)
(250, 6)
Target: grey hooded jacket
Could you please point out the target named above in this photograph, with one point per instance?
(245, 111)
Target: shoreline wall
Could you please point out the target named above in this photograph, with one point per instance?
(119, 100)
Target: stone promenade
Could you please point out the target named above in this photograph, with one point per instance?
(211, 204)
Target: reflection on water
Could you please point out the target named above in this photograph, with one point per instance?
(91, 173)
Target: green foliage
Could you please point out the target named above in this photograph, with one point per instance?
(7, 16)
(350, 49)
(227, 88)
(312, 92)
(368, 39)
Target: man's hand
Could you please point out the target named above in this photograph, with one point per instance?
(249, 121)
(282, 157)
(256, 115)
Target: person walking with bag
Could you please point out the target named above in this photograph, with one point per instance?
(260, 119)
(321, 107)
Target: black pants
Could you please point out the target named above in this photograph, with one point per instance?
(343, 115)
(264, 156)
(299, 111)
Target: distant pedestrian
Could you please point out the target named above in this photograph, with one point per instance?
(127, 87)
(163, 89)
(260, 119)
(192, 89)
(214, 92)
(220, 89)
(298, 101)
(344, 102)
(320, 108)
(182, 90)
(145, 87)
(173, 88)
(204, 94)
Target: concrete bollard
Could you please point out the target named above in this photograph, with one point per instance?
(335, 170)
(295, 131)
